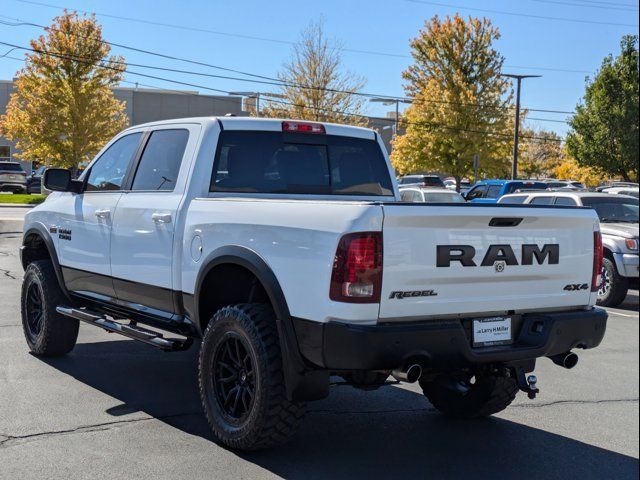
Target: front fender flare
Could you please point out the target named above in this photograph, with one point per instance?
(41, 231)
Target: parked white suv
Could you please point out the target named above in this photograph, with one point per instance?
(284, 248)
(618, 216)
(430, 195)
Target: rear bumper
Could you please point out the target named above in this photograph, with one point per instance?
(627, 264)
(13, 185)
(444, 344)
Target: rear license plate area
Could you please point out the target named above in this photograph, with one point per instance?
(492, 331)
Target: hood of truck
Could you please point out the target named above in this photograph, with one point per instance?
(624, 230)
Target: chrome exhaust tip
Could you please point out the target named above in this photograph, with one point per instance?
(410, 374)
(567, 360)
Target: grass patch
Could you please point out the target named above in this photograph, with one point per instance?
(21, 198)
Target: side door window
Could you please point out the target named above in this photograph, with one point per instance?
(477, 192)
(566, 201)
(514, 199)
(406, 196)
(160, 162)
(108, 172)
(493, 191)
(541, 201)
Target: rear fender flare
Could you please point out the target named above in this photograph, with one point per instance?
(295, 371)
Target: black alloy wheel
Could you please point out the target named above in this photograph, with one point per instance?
(234, 377)
(34, 304)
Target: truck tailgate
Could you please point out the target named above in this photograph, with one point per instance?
(448, 260)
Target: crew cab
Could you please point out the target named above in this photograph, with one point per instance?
(618, 216)
(285, 249)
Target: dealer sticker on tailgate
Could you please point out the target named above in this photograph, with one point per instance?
(492, 331)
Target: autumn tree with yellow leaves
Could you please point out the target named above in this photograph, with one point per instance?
(63, 110)
(461, 104)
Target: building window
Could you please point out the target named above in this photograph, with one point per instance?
(5, 153)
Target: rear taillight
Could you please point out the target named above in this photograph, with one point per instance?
(303, 127)
(596, 277)
(357, 268)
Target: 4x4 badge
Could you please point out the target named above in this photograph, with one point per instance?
(573, 287)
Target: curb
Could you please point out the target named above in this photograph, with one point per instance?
(17, 205)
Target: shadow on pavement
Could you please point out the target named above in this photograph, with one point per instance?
(351, 435)
(631, 301)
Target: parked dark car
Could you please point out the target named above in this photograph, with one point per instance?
(12, 178)
(422, 180)
(34, 180)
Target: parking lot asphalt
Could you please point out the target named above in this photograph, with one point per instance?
(117, 409)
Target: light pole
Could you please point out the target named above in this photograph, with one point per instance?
(516, 133)
(391, 101)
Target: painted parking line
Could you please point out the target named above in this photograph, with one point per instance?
(621, 313)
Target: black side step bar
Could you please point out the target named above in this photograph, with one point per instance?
(140, 334)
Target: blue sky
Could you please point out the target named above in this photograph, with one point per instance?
(530, 45)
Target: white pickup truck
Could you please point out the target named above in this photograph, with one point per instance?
(283, 248)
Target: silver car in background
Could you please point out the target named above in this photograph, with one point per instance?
(430, 195)
(12, 178)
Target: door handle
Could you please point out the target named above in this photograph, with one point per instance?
(159, 218)
(103, 213)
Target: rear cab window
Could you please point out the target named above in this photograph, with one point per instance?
(286, 163)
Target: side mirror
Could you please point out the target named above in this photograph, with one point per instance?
(59, 180)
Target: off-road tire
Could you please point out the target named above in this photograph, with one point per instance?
(618, 286)
(271, 419)
(54, 334)
(488, 395)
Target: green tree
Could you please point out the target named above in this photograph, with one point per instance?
(316, 85)
(63, 110)
(461, 104)
(604, 129)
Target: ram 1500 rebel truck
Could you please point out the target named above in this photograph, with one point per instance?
(283, 248)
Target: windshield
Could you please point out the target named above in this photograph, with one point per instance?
(442, 197)
(10, 167)
(615, 209)
(433, 181)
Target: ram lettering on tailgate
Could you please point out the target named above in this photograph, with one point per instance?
(496, 253)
